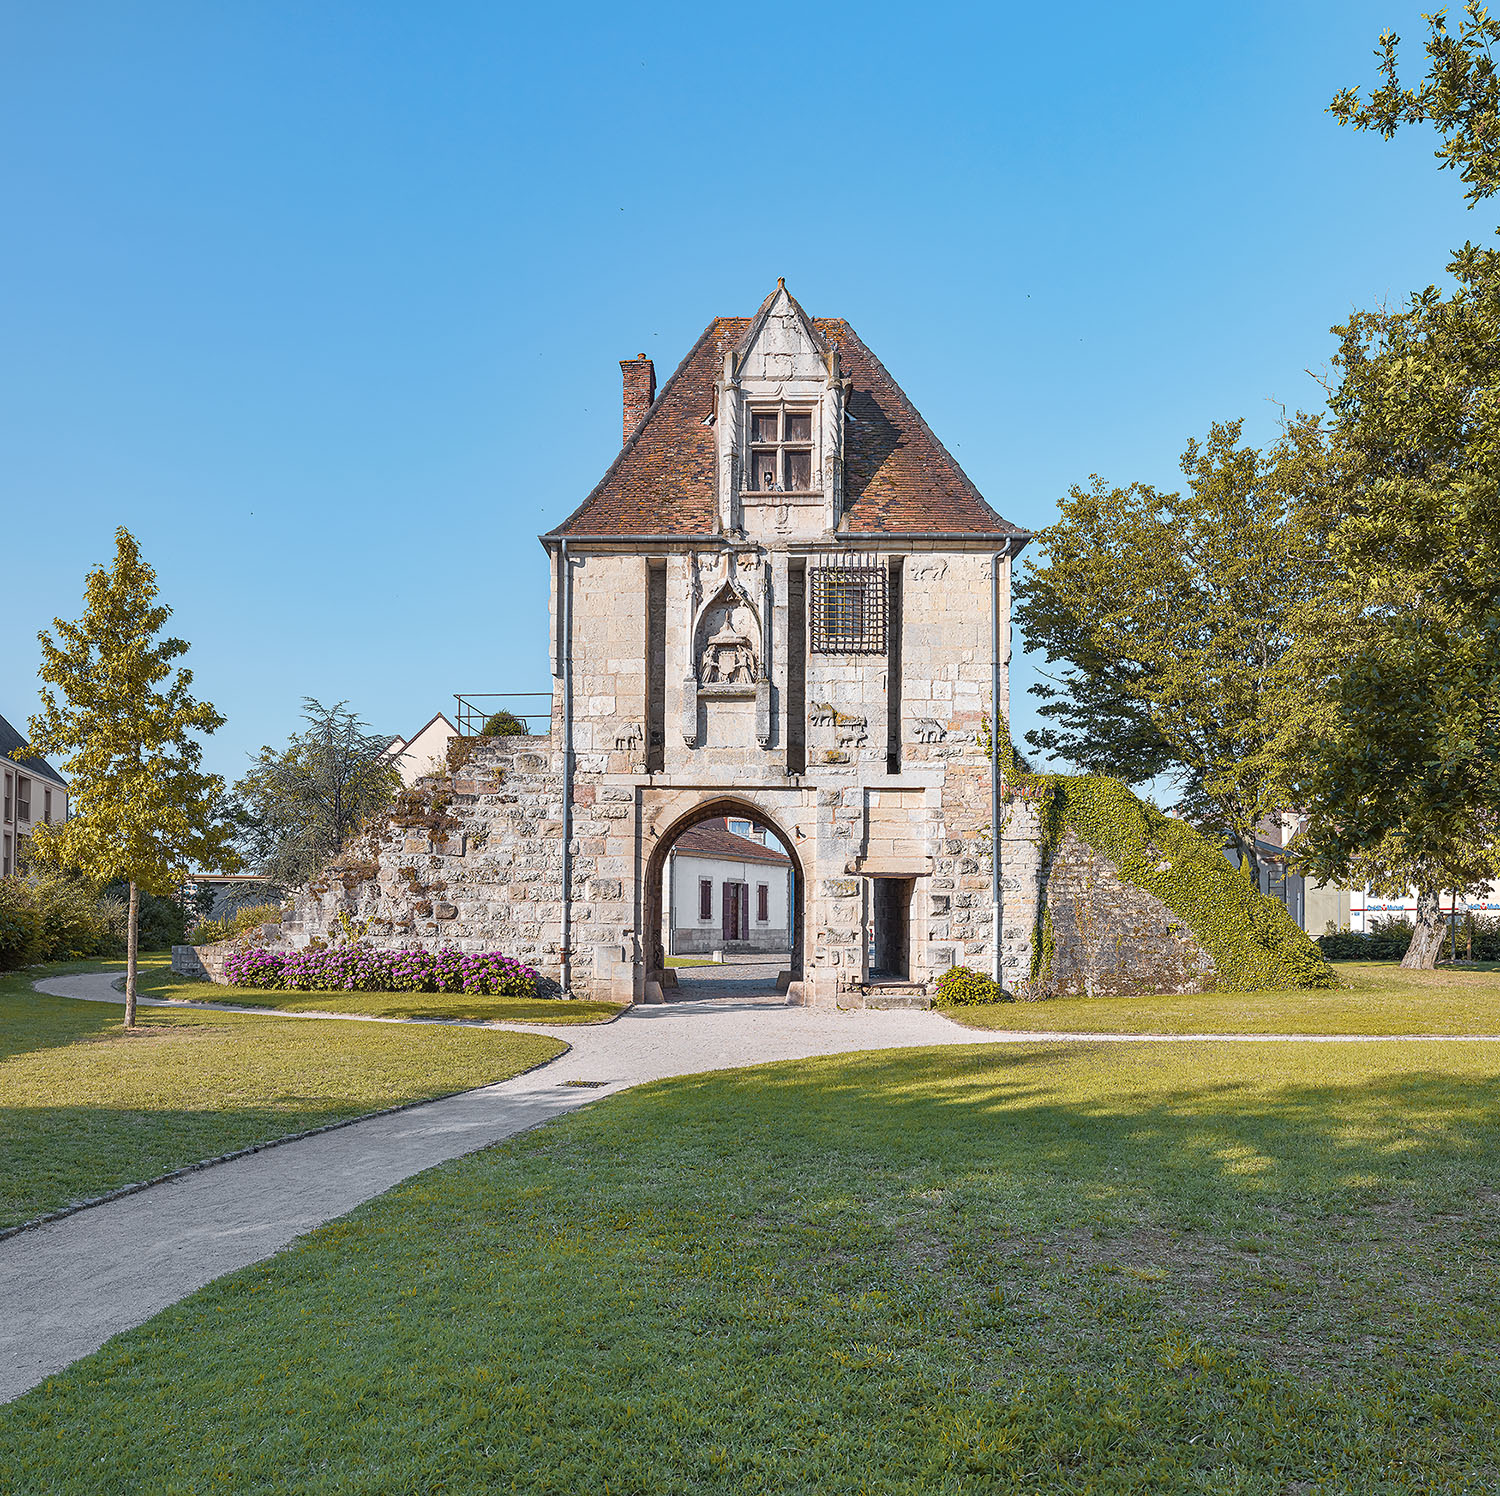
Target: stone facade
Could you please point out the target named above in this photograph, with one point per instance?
(784, 602)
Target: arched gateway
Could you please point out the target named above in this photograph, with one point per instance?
(784, 599)
(663, 834)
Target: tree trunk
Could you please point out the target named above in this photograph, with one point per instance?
(132, 946)
(1427, 939)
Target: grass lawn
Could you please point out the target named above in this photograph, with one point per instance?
(156, 980)
(690, 961)
(86, 1108)
(1377, 998)
(1057, 1268)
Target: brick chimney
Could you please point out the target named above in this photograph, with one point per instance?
(640, 390)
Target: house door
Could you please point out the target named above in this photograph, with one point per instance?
(736, 911)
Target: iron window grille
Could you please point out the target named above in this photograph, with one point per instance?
(849, 608)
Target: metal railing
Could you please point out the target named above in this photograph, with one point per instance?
(475, 708)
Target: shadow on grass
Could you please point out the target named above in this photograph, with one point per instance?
(31, 1021)
(1227, 1121)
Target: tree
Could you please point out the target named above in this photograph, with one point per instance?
(1395, 754)
(1172, 612)
(143, 810)
(1459, 97)
(301, 803)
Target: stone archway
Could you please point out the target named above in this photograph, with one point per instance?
(711, 808)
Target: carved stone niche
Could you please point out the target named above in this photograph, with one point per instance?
(726, 645)
(728, 659)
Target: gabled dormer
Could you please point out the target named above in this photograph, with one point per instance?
(779, 416)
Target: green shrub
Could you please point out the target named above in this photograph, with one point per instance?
(504, 725)
(1390, 938)
(21, 939)
(76, 921)
(54, 916)
(962, 986)
(1255, 944)
(237, 922)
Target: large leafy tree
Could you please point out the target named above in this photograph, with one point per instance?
(1396, 753)
(1170, 613)
(301, 803)
(124, 719)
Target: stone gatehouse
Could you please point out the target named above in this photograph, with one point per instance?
(783, 603)
(786, 601)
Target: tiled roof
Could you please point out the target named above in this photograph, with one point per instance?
(898, 477)
(714, 839)
(9, 739)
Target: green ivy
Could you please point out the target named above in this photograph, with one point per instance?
(1254, 942)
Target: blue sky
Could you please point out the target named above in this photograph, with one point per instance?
(326, 302)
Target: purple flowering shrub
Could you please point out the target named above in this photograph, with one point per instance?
(356, 968)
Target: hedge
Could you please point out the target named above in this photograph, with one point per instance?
(1388, 941)
(1254, 942)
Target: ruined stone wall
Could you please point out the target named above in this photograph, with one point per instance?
(1098, 934)
(471, 859)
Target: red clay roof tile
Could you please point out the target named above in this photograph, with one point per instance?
(898, 477)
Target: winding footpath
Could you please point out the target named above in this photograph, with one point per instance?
(69, 1285)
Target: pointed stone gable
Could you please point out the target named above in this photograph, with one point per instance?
(898, 478)
(782, 343)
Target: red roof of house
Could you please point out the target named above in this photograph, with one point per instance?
(898, 477)
(715, 839)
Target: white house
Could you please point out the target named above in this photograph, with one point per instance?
(729, 887)
(35, 793)
(425, 752)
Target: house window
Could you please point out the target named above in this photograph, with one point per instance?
(47, 806)
(762, 903)
(23, 798)
(705, 898)
(5, 859)
(848, 609)
(7, 796)
(781, 451)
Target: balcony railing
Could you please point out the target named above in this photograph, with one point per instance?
(477, 708)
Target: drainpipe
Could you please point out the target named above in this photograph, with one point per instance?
(995, 858)
(567, 774)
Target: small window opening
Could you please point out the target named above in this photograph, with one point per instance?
(848, 610)
(781, 451)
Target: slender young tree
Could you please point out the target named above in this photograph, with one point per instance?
(123, 718)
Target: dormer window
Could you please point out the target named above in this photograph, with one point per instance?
(781, 451)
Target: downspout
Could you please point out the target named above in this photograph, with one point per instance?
(567, 767)
(995, 854)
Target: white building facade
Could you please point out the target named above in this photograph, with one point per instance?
(728, 888)
(34, 793)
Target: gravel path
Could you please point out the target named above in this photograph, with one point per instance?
(69, 1285)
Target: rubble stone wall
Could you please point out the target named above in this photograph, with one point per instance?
(1098, 934)
(470, 860)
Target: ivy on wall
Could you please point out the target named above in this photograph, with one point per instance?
(1255, 943)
